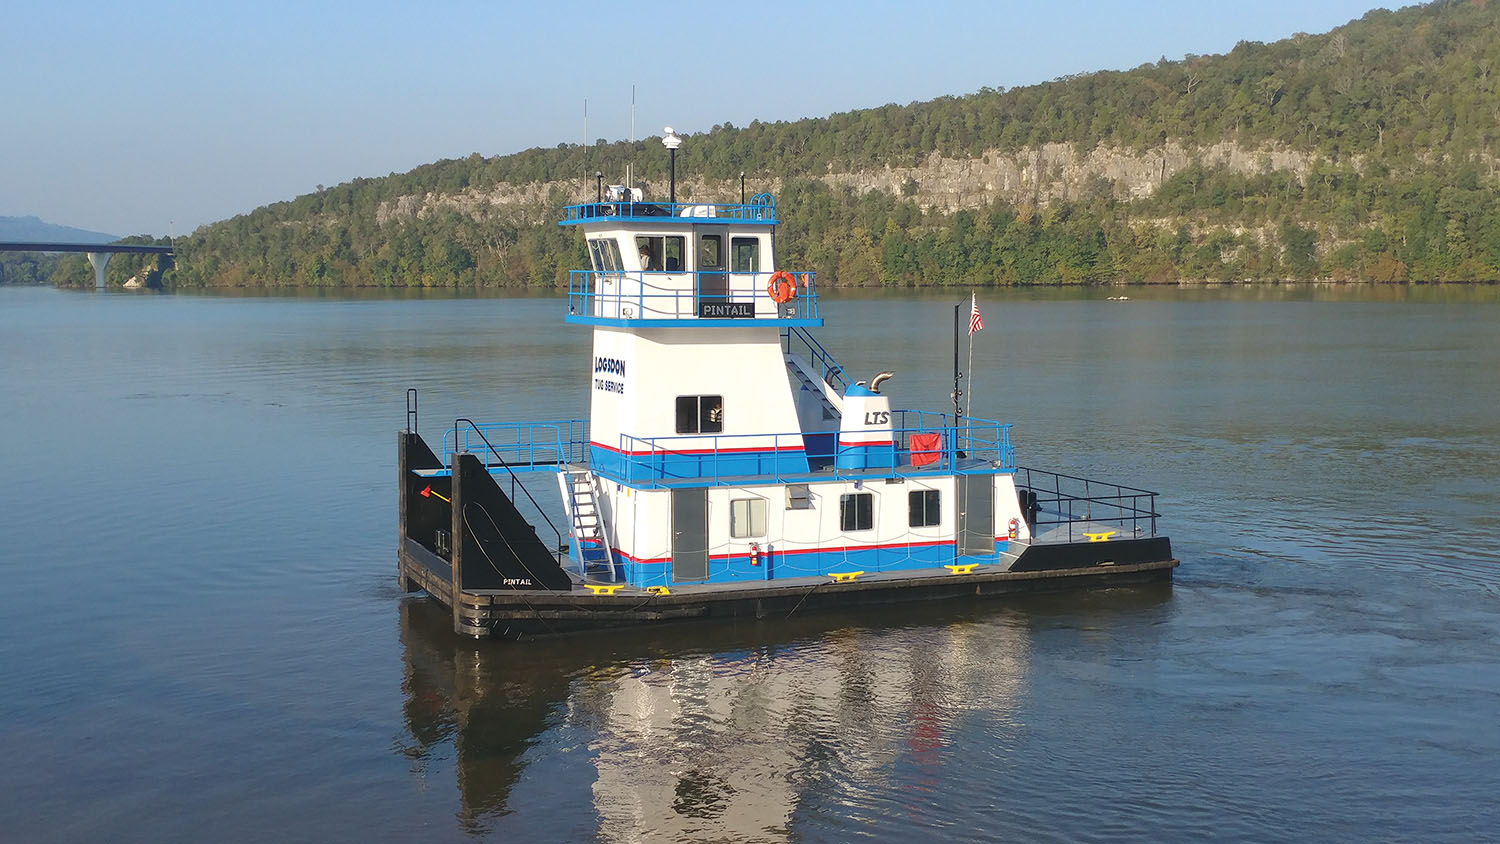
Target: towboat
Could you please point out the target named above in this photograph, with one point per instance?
(729, 467)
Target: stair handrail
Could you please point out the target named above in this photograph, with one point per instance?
(604, 536)
(514, 480)
(565, 487)
(833, 374)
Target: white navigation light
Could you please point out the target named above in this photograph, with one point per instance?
(670, 140)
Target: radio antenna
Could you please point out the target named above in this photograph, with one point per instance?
(630, 163)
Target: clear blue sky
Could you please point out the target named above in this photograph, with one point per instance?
(133, 117)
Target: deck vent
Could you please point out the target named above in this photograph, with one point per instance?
(798, 497)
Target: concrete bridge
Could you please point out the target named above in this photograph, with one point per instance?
(98, 253)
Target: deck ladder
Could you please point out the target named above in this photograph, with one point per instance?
(591, 540)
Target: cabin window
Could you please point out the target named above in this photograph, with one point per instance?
(924, 504)
(605, 253)
(700, 414)
(660, 254)
(857, 511)
(747, 517)
(744, 254)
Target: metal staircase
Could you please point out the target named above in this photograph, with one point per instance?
(828, 399)
(814, 368)
(591, 540)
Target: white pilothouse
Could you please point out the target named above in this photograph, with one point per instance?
(726, 445)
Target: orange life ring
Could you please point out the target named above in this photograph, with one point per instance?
(783, 287)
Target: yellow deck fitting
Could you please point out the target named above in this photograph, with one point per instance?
(658, 590)
(961, 568)
(1100, 537)
(604, 589)
(844, 576)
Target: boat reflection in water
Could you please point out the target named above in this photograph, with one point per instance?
(724, 734)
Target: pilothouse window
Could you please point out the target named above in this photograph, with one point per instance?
(744, 255)
(708, 253)
(660, 254)
(605, 253)
(700, 414)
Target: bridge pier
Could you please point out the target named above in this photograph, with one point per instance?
(99, 260)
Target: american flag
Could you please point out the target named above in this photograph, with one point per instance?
(976, 322)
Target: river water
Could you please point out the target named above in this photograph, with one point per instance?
(203, 638)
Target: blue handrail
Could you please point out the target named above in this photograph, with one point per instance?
(760, 209)
(521, 445)
(972, 445)
(636, 294)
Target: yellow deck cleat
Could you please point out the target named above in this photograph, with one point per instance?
(604, 589)
(658, 590)
(1101, 537)
(844, 576)
(961, 568)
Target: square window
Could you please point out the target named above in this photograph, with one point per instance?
(857, 511)
(924, 507)
(747, 517)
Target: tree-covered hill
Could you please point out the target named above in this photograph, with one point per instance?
(1369, 152)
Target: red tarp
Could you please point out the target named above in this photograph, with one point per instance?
(925, 448)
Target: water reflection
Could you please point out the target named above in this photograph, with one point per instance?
(726, 732)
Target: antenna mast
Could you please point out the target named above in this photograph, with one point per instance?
(630, 163)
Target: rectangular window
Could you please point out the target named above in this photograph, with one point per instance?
(744, 254)
(700, 414)
(708, 252)
(673, 253)
(660, 254)
(747, 517)
(924, 507)
(857, 511)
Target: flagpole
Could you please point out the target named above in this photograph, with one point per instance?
(969, 405)
(958, 392)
